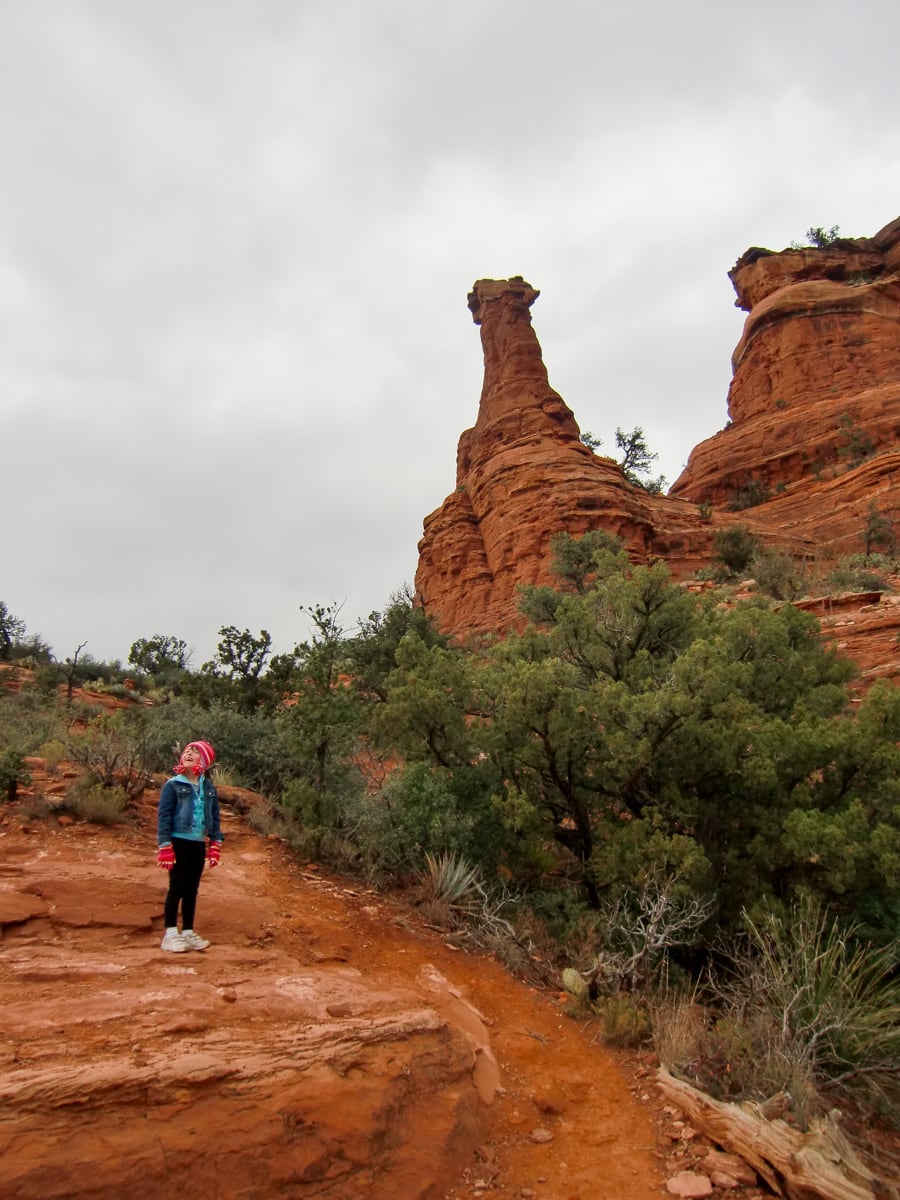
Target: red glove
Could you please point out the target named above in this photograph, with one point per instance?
(165, 857)
(214, 853)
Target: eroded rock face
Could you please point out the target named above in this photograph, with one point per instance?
(523, 475)
(813, 441)
(814, 403)
(863, 626)
(261, 1071)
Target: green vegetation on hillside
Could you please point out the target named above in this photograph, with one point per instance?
(641, 785)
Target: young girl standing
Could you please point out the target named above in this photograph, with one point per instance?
(188, 814)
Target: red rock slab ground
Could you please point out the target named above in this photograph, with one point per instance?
(446, 1077)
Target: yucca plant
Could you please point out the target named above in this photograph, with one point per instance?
(225, 776)
(805, 1008)
(450, 880)
(831, 1000)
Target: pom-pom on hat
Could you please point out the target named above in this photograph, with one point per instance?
(206, 752)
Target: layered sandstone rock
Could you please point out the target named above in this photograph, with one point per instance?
(811, 450)
(255, 1069)
(523, 475)
(814, 403)
(864, 626)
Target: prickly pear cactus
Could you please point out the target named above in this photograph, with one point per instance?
(572, 982)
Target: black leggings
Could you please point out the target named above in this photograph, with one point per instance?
(184, 880)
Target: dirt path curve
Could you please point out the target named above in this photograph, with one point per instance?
(554, 1079)
(564, 1123)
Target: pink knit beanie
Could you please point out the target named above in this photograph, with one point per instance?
(206, 752)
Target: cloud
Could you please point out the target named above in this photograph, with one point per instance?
(236, 241)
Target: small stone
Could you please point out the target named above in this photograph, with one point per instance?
(65, 819)
(730, 1164)
(677, 1162)
(689, 1184)
(723, 1181)
(339, 1010)
(540, 1135)
(228, 995)
(552, 1103)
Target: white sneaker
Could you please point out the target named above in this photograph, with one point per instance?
(174, 942)
(193, 941)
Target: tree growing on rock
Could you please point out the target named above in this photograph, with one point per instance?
(637, 459)
(879, 532)
(12, 629)
(234, 676)
(820, 237)
(161, 654)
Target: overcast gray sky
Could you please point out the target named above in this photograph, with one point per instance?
(236, 239)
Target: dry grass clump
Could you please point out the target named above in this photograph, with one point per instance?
(802, 1006)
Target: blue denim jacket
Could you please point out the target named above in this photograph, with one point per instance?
(176, 811)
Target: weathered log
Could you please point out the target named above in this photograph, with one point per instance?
(817, 1165)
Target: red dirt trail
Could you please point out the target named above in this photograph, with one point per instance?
(327, 1044)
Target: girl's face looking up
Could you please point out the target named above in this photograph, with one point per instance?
(192, 760)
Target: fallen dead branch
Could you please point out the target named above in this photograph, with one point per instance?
(817, 1165)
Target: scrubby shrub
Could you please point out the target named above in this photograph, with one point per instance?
(802, 1005)
(48, 677)
(714, 573)
(111, 750)
(879, 531)
(306, 808)
(624, 1019)
(93, 802)
(639, 930)
(13, 771)
(861, 573)
(226, 775)
(734, 547)
(748, 494)
(26, 720)
(263, 819)
(52, 752)
(857, 444)
(819, 237)
(423, 810)
(120, 690)
(252, 746)
(777, 573)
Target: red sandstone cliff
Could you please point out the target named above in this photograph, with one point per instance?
(523, 475)
(814, 403)
(814, 410)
